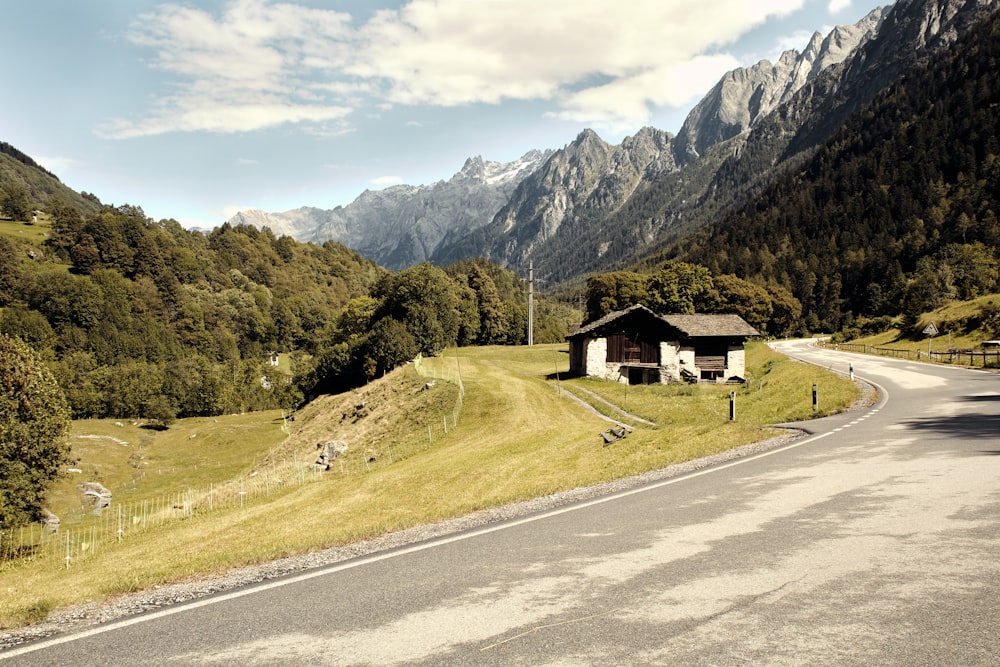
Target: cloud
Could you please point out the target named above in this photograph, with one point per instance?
(386, 180)
(837, 6)
(453, 52)
(624, 103)
(57, 165)
(229, 211)
(259, 64)
(253, 67)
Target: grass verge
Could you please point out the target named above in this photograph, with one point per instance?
(471, 429)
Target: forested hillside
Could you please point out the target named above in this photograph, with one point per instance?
(896, 212)
(24, 184)
(139, 318)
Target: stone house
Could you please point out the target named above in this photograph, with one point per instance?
(638, 346)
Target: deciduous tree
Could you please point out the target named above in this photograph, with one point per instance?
(34, 421)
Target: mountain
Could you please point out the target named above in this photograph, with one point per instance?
(404, 225)
(508, 212)
(897, 210)
(594, 206)
(578, 184)
(756, 124)
(744, 96)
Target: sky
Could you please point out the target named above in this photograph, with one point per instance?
(196, 109)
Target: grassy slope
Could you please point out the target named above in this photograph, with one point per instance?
(34, 234)
(514, 437)
(957, 325)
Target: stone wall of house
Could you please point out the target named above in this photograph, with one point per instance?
(674, 360)
(595, 357)
(685, 360)
(736, 362)
(670, 369)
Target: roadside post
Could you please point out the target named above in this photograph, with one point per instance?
(815, 398)
(732, 406)
(852, 371)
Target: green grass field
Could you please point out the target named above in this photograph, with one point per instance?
(471, 429)
(24, 231)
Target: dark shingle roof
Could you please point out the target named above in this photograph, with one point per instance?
(711, 325)
(698, 325)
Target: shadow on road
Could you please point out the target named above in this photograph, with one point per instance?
(991, 398)
(976, 426)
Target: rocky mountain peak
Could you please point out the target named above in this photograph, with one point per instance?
(745, 95)
(403, 225)
(474, 169)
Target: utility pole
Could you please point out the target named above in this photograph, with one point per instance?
(531, 302)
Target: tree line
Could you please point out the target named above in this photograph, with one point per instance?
(144, 319)
(685, 288)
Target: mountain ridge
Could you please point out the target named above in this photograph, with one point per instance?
(402, 225)
(589, 179)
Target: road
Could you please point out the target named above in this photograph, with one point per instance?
(873, 541)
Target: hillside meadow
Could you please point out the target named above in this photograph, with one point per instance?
(961, 325)
(471, 429)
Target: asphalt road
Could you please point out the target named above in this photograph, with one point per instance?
(872, 542)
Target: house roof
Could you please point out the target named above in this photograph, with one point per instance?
(690, 326)
(711, 325)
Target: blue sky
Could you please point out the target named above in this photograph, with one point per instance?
(195, 109)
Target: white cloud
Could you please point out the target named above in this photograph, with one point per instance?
(386, 180)
(229, 211)
(837, 6)
(624, 103)
(254, 67)
(453, 52)
(57, 165)
(259, 64)
(797, 40)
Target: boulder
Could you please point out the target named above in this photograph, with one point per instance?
(51, 521)
(328, 451)
(95, 495)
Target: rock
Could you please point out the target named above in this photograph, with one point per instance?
(329, 450)
(96, 495)
(50, 520)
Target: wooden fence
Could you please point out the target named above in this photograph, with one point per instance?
(974, 358)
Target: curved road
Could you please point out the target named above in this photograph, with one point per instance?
(873, 541)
